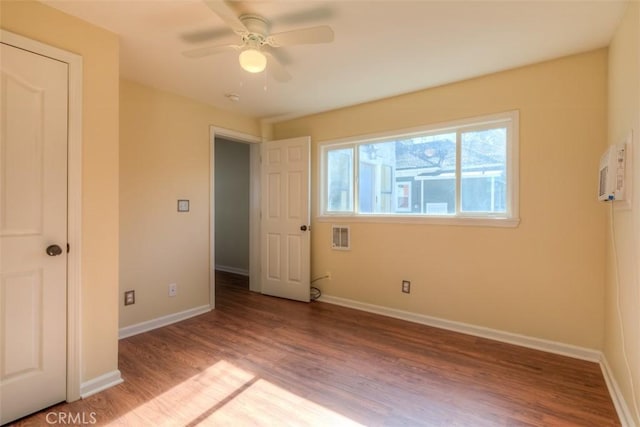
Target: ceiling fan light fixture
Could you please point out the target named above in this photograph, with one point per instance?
(252, 60)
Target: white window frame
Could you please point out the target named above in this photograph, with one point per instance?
(510, 218)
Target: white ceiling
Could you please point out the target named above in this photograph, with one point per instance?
(382, 47)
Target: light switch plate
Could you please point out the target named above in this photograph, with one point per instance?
(183, 206)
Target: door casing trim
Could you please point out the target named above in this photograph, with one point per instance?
(74, 200)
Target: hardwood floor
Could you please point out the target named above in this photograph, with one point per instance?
(230, 279)
(258, 360)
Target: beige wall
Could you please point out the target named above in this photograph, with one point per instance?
(622, 311)
(99, 50)
(164, 156)
(542, 279)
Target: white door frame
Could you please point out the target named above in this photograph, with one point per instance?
(74, 201)
(254, 206)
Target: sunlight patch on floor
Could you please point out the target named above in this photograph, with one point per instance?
(264, 403)
(224, 394)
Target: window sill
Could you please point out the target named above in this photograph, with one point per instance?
(431, 220)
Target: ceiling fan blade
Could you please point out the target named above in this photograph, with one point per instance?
(305, 16)
(228, 15)
(313, 35)
(209, 50)
(276, 69)
(207, 35)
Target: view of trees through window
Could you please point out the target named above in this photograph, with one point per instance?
(420, 175)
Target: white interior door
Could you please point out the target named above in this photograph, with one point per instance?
(285, 230)
(33, 232)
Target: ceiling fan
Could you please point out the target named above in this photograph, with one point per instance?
(256, 41)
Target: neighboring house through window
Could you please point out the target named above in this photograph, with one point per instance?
(457, 172)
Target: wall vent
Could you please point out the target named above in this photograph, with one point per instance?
(341, 238)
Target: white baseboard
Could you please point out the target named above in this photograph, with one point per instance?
(159, 322)
(624, 413)
(465, 328)
(234, 270)
(100, 383)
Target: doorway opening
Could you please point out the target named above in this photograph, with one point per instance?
(232, 196)
(234, 241)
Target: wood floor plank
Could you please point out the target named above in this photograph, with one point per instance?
(259, 360)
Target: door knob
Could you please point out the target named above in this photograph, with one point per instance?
(303, 227)
(54, 250)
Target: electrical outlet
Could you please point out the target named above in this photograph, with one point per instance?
(129, 297)
(173, 289)
(406, 286)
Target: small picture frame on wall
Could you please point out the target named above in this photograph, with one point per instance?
(183, 205)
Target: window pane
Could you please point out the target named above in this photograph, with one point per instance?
(427, 165)
(439, 196)
(483, 160)
(340, 180)
(375, 177)
(367, 190)
(408, 176)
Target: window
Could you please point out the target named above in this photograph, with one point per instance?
(340, 180)
(461, 172)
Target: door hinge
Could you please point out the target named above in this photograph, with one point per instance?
(68, 248)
